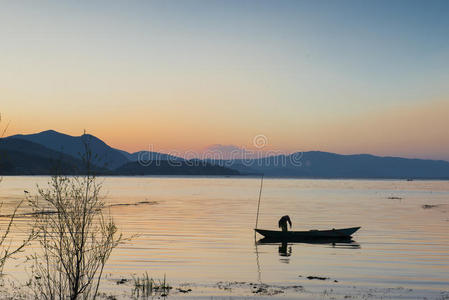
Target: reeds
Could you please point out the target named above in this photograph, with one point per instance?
(145, 286)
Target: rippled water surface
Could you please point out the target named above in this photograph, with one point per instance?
(201, 229)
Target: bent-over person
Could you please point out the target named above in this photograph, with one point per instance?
(283, 223)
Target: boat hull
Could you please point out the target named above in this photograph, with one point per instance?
(343, 242)
(343, 233)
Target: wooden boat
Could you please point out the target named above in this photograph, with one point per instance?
(286, 236)
(307, 235)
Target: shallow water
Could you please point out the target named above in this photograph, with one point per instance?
(200, 230)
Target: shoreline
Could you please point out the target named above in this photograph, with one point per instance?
(253, 290)
(234, 176)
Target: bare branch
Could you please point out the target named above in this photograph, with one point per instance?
(76, 239)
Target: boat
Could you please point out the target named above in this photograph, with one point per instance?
(343, 233)
(287, 236)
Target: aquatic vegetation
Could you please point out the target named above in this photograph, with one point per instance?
(184, 291)
(145, 286)
(317, 277)
(262, 289)
(135, 204)
(428, 206)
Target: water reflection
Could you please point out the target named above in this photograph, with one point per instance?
(284, 249)
(285, 246)
(200, 230)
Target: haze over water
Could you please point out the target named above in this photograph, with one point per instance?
(200, 230)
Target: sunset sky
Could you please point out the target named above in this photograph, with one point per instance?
(339, 76)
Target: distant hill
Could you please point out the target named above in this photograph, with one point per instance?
(37, 153)
(21, 157)
(316, 164)
(167, 167)
(106, 156)
(148, 156)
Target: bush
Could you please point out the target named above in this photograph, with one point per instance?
(75, 238)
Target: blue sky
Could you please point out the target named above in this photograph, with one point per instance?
(292, 70)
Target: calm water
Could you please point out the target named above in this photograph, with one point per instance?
(200, 230)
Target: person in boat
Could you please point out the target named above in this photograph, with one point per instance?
(283, 223)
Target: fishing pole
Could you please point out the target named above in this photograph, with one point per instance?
(258, 204)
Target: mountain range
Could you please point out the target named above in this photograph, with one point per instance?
(50, 151)
(317, 164)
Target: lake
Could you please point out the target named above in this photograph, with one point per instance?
(198, 231)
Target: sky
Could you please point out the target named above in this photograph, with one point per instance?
(338, 76)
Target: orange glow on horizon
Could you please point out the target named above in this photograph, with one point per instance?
(410, 131)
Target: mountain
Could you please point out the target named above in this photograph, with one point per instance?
(106, 156)
(21, 157)
(168, 167)
(148, 156)
(43, 149)
(25, 155)
(316, 164)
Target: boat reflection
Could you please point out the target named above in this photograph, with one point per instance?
(285, 248)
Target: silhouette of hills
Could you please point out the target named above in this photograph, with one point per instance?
(148, 156)
(179, 167)
(106, 156)
(317, 164)
(39, 154)
(21, 156)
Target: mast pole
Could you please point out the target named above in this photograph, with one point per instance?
(258, 203)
